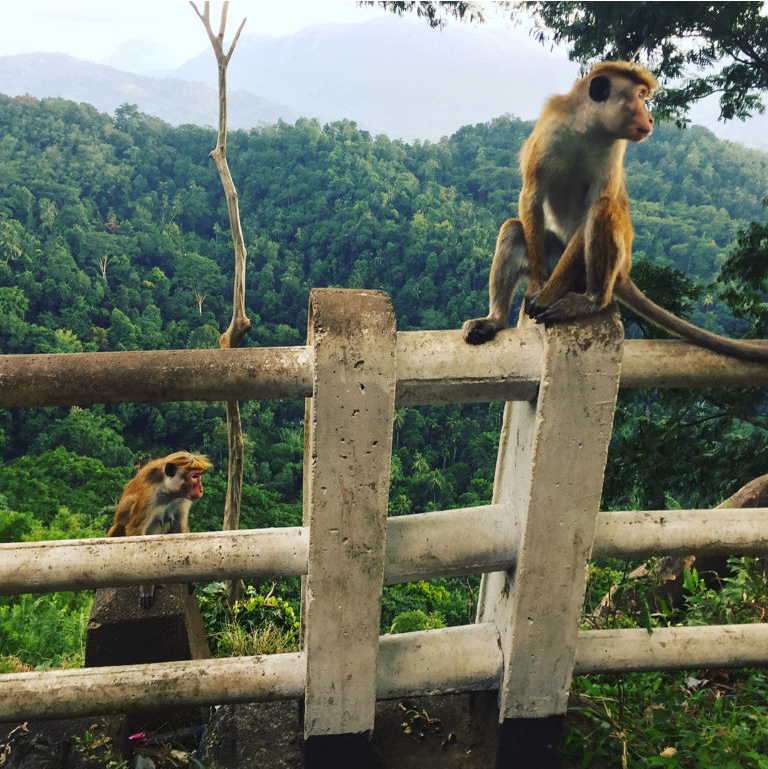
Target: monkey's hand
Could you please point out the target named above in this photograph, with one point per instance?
(535, 305)
(571, 306)
(531, 308)
(479, 330)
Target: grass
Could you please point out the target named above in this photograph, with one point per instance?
(669, 720)
(700, 719)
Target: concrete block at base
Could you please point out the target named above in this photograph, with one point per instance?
(120, 632)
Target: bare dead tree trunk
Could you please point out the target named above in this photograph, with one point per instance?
(240, 324)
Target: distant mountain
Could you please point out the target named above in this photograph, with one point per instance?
(142, 57)
(174, 100)
(390, 75)
(395, 76)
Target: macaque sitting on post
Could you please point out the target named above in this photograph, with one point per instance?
(573, 240)
(157, 500)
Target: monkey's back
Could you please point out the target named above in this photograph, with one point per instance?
(132, 495)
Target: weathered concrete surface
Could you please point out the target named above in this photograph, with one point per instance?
(82, 564)
(552, 453)
(120, 632)
(253, 736)
(154, 376)
(348, 443)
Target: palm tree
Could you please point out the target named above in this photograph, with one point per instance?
(400, 505)
(420, 464)
(437, 482)
(398, 420)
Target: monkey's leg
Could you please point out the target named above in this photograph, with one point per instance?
(510, 265)
(567, 273)
(606, 253)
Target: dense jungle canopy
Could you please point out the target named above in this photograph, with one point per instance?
(114, 236)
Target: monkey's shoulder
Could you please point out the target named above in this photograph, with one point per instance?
(128, 499)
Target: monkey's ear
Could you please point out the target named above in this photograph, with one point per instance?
(170, 469)
(599, 88)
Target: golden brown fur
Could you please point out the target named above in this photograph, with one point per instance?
(157, 500)
(573, 240)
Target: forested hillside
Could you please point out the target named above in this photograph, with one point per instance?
(113, 236)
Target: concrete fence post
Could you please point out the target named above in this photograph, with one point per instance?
(348, 442)
(549, 471)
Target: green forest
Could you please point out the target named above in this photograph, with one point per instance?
(114, 236)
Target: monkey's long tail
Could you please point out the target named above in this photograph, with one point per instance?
(628, 293)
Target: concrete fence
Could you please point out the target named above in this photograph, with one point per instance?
(532, 543)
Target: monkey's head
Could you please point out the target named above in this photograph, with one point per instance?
(617, 92)
(183, 473)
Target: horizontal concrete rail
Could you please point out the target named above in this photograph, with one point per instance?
(671, 648)
(672, 363)
(413, 664)
(449, 543)
(79, 564)
(409, 664)
(429, 545)
(157, 376)
(722, 531)
(445, 543)
(432, 367)
(440, 367)
(161, 685)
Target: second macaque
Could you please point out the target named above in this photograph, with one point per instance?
(157, 501)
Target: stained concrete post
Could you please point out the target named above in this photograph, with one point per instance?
(348, 442)
(550, 466)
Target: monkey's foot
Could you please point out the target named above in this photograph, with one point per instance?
(146, 596)
(479, 330)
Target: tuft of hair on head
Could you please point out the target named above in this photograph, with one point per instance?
(636, 72)
(187, 461)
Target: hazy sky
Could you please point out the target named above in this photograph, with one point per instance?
(94, 29)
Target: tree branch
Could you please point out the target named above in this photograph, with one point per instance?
(240, 324)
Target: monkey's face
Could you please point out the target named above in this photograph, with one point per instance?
(621, 106)
(639, 119)
(184, 483)
(193, 485)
